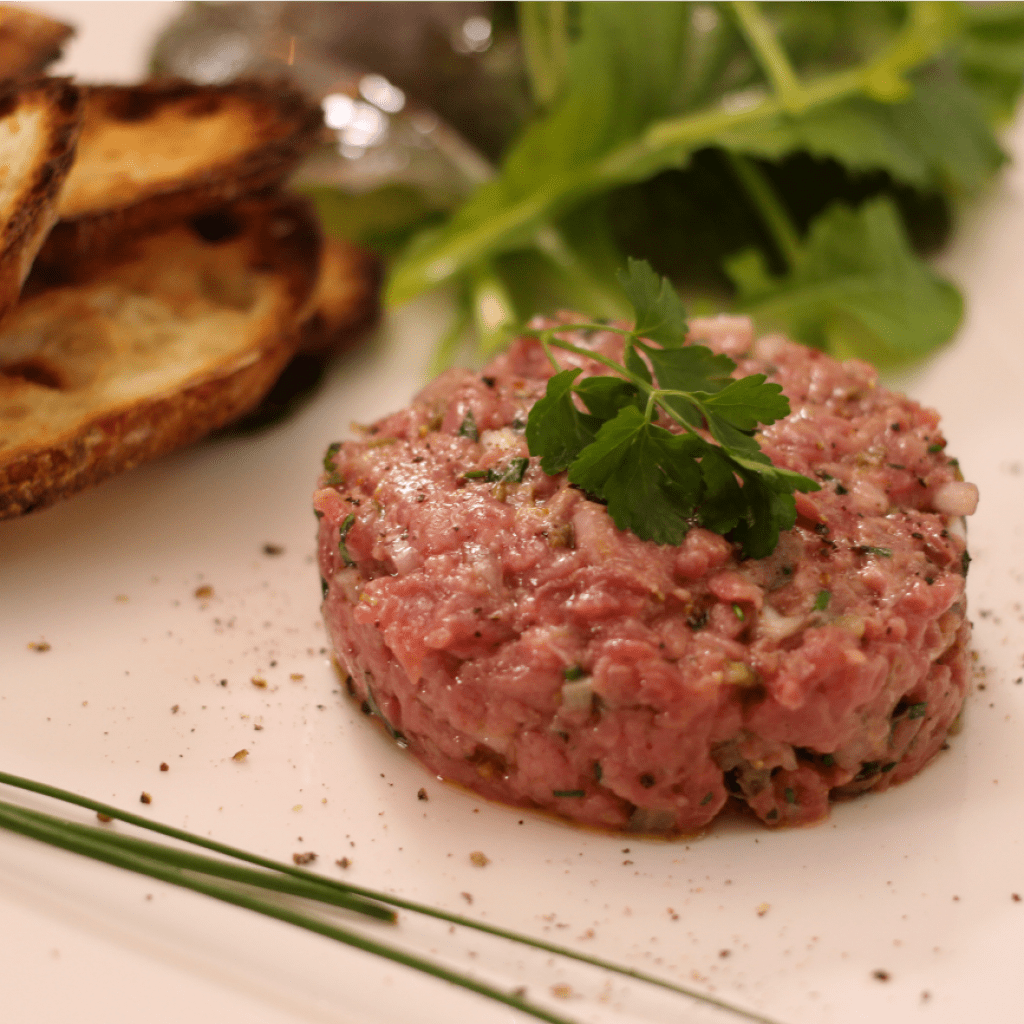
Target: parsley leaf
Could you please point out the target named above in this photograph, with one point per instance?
(556, 430)
(660, 315)
(645, 473)
(658, 482)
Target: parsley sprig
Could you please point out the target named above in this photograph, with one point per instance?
(658, 482)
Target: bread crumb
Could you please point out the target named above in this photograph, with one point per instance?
(145, 798)
(479, 860)
(303, 858)
(240, 755)
(39, 646)
(763, 908)
(344, 862)
(204, 592)
(260, 684)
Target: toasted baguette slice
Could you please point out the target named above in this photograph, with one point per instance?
(120, 361)
(346, 297)
(28, 41)
(163, 151)
(344, 303)
(39, 124)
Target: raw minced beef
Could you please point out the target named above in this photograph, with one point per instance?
(524, 647)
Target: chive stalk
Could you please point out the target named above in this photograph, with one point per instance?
(227, 882)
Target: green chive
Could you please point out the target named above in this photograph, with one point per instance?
(827, 760)
(708, 797)
(822, 600)
(917, 710)
(933, 448)
(575, 793)
(112, 848)
(347, 523)
(515, 471)
(479, 474)
(882, 552)
(468, 427)
(573, 672)
(790, 795)
(598, 771)
(329, 456)
(324, 587)
(737, 610)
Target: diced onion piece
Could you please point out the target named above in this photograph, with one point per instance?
(738, 673)
(958, 527)
(650, 819)
(851, 623)
(577, 695)
(774, 626)
(957, 498)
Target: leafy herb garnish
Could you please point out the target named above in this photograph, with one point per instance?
(229, 881)
(656, 482)
(876, 101)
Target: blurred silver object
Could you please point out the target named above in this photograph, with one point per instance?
(401, 85)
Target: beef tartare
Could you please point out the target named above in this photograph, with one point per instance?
(519, 644)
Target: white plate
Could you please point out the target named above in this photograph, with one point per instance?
(916, 883)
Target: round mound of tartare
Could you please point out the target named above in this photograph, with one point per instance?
(519, 644)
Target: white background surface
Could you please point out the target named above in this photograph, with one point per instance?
(917, 882)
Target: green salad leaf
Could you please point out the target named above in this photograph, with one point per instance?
(898, 96)
(857, 288)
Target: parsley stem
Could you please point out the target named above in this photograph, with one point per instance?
(769, 206)
(764, 44)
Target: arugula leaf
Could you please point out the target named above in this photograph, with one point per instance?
(939, 136)
(858, 289)
(990, 55)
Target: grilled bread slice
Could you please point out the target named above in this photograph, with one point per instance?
(156, 153)
(346, 297)
(106, 363)
(28, 41)
(39, 125)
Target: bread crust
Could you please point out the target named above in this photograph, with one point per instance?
(31, 210)
(28, 40)
(240, 277)
(346, 299)
(215, 144)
